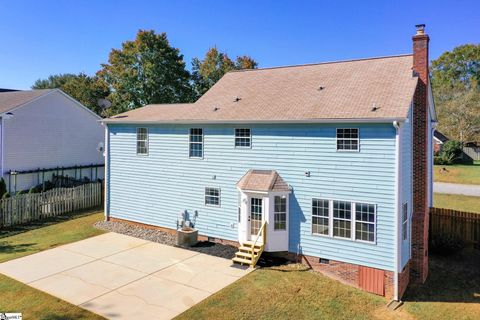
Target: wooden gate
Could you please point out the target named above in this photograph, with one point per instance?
(371, 280)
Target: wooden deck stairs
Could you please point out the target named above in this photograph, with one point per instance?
(250, 251)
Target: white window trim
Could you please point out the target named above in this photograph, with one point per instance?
(146, 141)
(280, 212)
(374, 223)
(344, 150)
(329, 217)
(352, 221)
(190, 142)
(235, 139)
(405, 222)
(219, 197)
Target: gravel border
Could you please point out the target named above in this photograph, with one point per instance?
(206, 247)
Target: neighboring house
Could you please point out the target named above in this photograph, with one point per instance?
(322, 155)
(438, 140)
(46, 129)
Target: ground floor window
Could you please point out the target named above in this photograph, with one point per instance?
(365, 222)
(404, 221)
(320, 214)
(280, 213)
(212, 197)
(344, 219)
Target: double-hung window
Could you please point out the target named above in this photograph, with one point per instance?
(365, 222)
(196, 143)
(347, 139)
(320, 216)
(280, 213)
(212, 197)
(142, 141)
(243, 138)
(342, 219)
(404, 221)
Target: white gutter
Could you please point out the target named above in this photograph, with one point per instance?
(206, 121)
(397, 248)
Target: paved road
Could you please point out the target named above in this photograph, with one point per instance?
(453, 188)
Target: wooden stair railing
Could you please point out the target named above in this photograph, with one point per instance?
(249, 252)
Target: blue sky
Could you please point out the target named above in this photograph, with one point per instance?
(39, 38)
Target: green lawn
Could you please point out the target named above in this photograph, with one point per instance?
(456, 202)
(458, 173)
(34, 304)
(452, 291)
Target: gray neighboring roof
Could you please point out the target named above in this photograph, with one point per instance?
(332, 91)
(263, 180)
(12, 99)
(440, 136)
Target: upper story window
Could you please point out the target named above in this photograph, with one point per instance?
(196, 143)
(347, 139)
(404, 221)
(280, 213)
(212, 197)
(142, 141)
(243, 138)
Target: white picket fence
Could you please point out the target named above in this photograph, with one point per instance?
(24, 208)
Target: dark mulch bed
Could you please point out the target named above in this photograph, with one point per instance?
(206, 247)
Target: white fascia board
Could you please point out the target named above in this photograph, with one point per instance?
(346, 120)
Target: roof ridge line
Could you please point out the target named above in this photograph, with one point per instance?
(320, 63)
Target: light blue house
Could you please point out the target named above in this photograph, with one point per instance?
(319, 155)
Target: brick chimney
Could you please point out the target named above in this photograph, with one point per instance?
(420, 219)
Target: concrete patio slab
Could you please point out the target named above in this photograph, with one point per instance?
(104, 245)
(86, 282)
(160, 293)
(42, 264)
(196, 276)
(120, 277)
(150, 257)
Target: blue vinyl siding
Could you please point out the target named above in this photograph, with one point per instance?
(154, 189)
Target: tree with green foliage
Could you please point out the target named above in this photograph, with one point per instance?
(206, 72)
(456, 88)
(85, 89)
(145, 71)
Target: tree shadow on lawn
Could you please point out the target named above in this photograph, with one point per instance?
(6, 248)
(11, 231)
(454, 278)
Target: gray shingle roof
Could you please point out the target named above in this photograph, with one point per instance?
(12, 99)
(336, 90)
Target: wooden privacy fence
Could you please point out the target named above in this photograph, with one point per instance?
(465, 225)
(24, 208)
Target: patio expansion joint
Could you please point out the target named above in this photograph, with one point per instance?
(83, 264)
(145, 276)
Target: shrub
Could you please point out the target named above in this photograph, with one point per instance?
(446, 244)
(32, 190)
(6, 195)
(451, 152)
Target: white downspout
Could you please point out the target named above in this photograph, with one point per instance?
(397, 248)
(106, 175)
